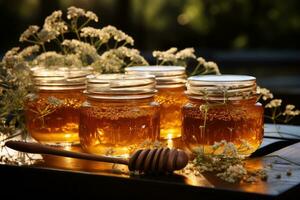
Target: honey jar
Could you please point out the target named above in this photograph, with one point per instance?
(52, 113)
(222, 108)
(170, 83)
(120, 114)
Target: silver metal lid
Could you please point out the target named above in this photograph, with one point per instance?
(60, 78)
(120, 86)
(216, 87)
(166, 76)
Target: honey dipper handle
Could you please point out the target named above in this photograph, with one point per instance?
(30, 147)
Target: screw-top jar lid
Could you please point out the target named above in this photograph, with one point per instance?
(218, 87)
(61, 78)
(166, 76)
(120, 86)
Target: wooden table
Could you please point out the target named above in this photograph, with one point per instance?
(73, 177)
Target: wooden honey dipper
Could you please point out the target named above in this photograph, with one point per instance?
(159, 160)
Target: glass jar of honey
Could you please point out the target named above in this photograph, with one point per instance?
(222, 108)
(120, 114)
(52, 113)
(170, 83)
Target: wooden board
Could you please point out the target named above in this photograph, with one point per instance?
(93, 179)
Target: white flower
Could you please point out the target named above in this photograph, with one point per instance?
(79, 46)
(53, 23)
(53, 60)
(266, 94)
(211, 67)
(31, 30)
(233, 173)
(172, 50)
(118, 35)
(29, 51)
(12, 57)
(185, 54)
(274, 103)
(93, 32)
(46, 36)
(230, 150)
(74, 12)
(12, 52)
(289, 110)
(132, 54)
(91, 16)
(108, 63)
(201, 60)
(114, 60)
(166, 56)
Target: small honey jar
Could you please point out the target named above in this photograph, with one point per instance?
(120, 114)
(170, 83)
(52, 113)
(222, 108)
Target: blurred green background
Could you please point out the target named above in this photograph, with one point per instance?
(256, 37)
(158, 24)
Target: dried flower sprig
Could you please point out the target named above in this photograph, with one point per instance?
(10, 157)
(60, 42)
(278, 114)
(182, 58)
(87, 44)
(227, 165)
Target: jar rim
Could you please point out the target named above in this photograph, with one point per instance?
(60, 78)
(223, 78)
(166, 76)
(120, 86)
(220, 87)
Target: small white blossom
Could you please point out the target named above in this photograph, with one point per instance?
(132, 54)
(201, 60)
(118, 35)
(185, 54)
(212, 67)
(274, 103)
(53, 23)
(12, 57)
(29, 51)
(46, 36)
(266, 94)
(74, 12)
(166, 56)
(12, 52)
(31, 30)
(108, 63)
(91, 16)
(53, 59)
(233, 173)
(82, 49)
(289, 110)
(96, 33)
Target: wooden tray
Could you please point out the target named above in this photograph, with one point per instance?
(78, 178)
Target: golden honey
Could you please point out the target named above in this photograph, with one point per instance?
(119, 115)
(52, 113)
(171, 100)
(222, 108)
(170, 83)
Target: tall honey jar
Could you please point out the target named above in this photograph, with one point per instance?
(120, 114)
(222, 108)
(52, 113)
(170, 83)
